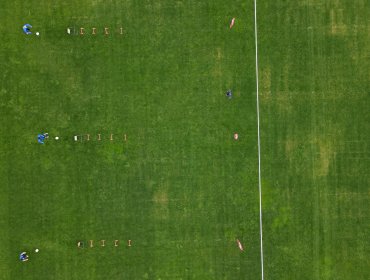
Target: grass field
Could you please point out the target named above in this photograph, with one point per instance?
(314, 79)
(181, 188)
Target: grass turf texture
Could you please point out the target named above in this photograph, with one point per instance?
(181, 189)
(314, 77)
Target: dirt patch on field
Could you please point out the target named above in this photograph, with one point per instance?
(160, 199)
(216, 71)
(280, 98)
(337, 25)
(219, 53)
(266, 82)
(290, 145)
(325, 157)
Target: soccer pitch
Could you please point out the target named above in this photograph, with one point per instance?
(167, 177)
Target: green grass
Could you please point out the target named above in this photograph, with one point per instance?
(314, 77)
(181, 188)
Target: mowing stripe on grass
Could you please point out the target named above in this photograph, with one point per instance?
(258, 135)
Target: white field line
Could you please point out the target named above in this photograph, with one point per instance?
(258, 135)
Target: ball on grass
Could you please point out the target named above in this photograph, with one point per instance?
(37, 33)
(56, 138)
(37, 250)
(236, 136)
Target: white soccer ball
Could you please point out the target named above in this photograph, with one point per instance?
(37, 250)
(37, 33)
(56, 138)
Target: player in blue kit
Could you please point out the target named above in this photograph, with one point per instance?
(27, 29)
(41, 138)
(23, 257)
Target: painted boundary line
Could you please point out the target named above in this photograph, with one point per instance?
(258, 136)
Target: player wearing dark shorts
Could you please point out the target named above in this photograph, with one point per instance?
(229, 94)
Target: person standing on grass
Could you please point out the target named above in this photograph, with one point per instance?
(41, 137)
(23, 257)
(27, 29)
(229, 94)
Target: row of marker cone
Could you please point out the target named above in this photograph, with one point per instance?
(102, 243)
(99, 137)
